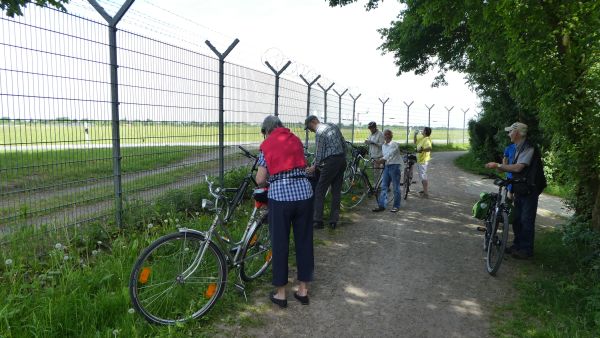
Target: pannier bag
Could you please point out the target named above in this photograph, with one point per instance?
(481, 207)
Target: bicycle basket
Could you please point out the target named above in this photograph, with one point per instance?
(481, 207)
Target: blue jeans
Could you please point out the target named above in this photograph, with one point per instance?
(391, 172)
(524, 223)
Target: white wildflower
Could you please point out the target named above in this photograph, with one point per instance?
(150, 225)
(197, 213)
(131, 311)
(168, 214)
(81, 261)
(176, 220)
(94, 252)
(8, 262)
(99, 242)
(58, 246)
(66, 258)
(116, 332)
(166, 221)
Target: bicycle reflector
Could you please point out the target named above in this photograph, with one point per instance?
(145, 274)
(269, 255)
(210, 290)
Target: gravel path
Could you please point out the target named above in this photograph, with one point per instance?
(417, 273)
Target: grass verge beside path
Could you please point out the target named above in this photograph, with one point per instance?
(558, 291)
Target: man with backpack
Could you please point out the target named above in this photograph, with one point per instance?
(526, 166)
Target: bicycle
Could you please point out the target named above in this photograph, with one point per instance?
(359, 184)
(357, 154)
(180, 276)
(496, 223)
(409, 160)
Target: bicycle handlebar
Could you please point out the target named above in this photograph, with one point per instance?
(247, 153)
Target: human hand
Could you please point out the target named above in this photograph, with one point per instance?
(310, 170)
(491, 165)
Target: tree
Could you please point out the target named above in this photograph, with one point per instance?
(534, 61)
(14, 7)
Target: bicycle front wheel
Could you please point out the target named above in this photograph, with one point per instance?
(497, 243)
(257, 252)
(356, 193)
(171, 283)
(348, 176)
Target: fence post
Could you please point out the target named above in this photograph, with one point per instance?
(464, 118)
(309, 84)
(340, 106)
(325, 100)
(353, 112)
(383, 111)
(221, 106)
(407, 118)
(448, 130)
(277, 75)
(114, 98)
(429, 115)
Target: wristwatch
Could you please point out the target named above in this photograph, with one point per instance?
(499, 165)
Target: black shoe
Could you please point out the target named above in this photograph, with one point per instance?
(318, 225)
(378, 209)
(282, 303)
(303, 300)
(521, 254)
(332, 225)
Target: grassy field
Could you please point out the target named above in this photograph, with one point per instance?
(63, 134)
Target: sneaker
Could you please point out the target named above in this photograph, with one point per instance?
(423, 195)
(394, 210)
(378, 209)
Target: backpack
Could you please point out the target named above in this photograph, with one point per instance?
(533, 174)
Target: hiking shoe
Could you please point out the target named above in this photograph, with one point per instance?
(378, 209)
(521, 254)
(423, 194)
(394, 210)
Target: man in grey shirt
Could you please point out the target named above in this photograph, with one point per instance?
(330, 160)
(525, 204)
(375, 141)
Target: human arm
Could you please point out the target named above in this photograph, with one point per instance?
(511, 168)
(262, 176)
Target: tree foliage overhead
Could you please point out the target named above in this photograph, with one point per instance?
(533, 61)
(15, 7)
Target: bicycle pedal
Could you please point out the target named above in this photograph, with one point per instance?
(482, 229)
(241, 288)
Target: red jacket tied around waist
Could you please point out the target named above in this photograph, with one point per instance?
(282, 151)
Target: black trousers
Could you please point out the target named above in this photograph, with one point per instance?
(282, 216)
(331, 174)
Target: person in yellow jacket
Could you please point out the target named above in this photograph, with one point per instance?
(423, 142)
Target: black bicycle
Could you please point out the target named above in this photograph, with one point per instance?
(181, 276)
(496, 224)
(409, 160)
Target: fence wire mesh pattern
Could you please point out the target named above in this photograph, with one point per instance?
(66, 160)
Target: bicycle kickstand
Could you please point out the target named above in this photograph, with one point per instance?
(240, 287)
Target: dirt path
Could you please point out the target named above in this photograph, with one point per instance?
(418, 273)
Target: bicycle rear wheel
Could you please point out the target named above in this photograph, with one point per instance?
(497, 243)
(257, 252)
(169, 283)
(356, 193)
(407, 181)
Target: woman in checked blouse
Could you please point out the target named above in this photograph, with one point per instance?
(282, 165)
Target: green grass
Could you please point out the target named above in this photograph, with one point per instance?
(86, 294)
(557, 295)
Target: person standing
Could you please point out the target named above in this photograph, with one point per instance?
(391, 172)
(526, 201)
(424, 145)
(375, 141)
(330, 160)
(282, 164)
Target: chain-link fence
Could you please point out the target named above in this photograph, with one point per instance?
(80, 132)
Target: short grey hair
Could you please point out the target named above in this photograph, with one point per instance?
(270, 123)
